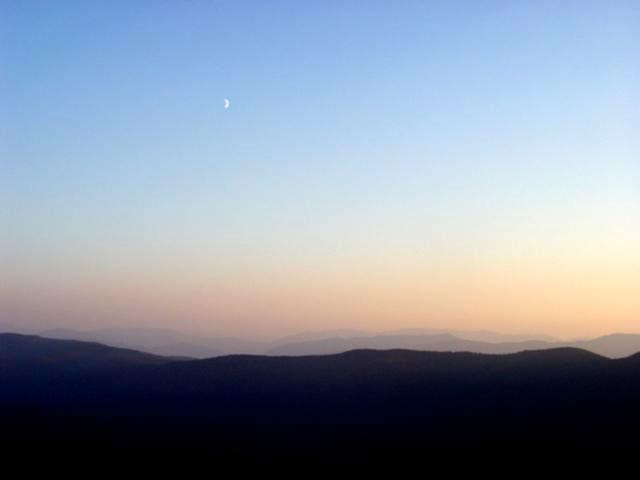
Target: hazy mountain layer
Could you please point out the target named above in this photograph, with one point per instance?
(171, 343)
(613, 346)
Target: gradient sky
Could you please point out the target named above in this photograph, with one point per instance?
(382, 165)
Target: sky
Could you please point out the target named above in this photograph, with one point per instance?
(382, 165)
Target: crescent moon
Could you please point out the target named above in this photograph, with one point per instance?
(226, 103)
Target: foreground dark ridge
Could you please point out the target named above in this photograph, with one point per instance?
(87, 394)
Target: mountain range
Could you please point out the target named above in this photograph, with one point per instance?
(68, 394)
(171, 343)
(612, 346)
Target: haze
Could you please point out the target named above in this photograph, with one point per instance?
(383, 166)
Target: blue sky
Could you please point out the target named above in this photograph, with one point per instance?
(408, 131)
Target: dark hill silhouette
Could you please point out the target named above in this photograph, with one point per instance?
(317, 406)
(37, 352)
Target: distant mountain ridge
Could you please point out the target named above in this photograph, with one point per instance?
(160, 341)
(438, 343)
(165, 342)
(613, 346)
